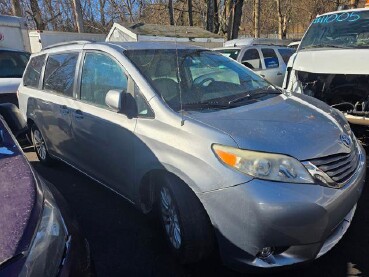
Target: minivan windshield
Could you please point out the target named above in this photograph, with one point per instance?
(197, 79)
(349, 29)
(12, 63)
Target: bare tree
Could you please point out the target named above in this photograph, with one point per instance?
(78, 15)
(210, 16)
(36, 15)
(283, 17)
(190, 16)
(170, 12)
(256, 18)
(16, 8)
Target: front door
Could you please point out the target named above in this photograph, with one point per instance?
(104, 138)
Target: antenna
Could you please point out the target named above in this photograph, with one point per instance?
(178, 75)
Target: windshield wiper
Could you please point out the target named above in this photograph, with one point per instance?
(252, 96)
(206, 105)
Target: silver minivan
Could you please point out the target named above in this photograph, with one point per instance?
(225, 159)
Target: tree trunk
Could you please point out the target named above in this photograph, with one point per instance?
(230, 19)
(102, 12)
(210, 16)
(36, 14)
(237, 18)
(78, 15)
(16, 8)
(256, 18)
(190, 18)
(281, 20)
(170, 11)
(216, 17)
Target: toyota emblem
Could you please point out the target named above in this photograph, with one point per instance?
(346, 140)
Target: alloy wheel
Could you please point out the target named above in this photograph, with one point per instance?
(39, 143)
(170, 218)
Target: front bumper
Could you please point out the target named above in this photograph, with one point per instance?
(299, 221)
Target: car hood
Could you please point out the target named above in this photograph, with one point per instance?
(332, 61)
(9, 85)
(297, 125)
(17, 197)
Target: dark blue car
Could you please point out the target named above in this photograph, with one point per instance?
(38, 237)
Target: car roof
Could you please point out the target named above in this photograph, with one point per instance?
(146, 45)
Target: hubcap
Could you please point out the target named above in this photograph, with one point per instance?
(170, 218)
(39, 144)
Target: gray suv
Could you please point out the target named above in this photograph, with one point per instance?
(226, 160)
(270, 61)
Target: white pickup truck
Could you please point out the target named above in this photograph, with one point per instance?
(332, 63)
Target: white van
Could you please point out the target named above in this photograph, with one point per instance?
(331, 63)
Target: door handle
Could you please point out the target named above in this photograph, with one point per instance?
(279, 74)
(78, 114)
(262, 75)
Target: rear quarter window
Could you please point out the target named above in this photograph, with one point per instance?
(32, 75)
(59, 73)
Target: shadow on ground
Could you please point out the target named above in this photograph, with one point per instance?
(126, 243)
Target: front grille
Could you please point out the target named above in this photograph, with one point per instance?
(339, 167)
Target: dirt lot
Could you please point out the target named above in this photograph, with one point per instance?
(126, 243)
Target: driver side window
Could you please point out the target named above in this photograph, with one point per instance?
(100, 73)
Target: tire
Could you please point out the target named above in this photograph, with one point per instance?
(184, 221)
(39, 145)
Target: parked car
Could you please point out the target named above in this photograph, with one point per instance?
(38, 236)
(268, 60)
(12, 65)
(331, 63)
(217, 152)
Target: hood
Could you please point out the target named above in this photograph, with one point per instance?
(332, 61)
(299, 126)
(17, 196)
(9, 85)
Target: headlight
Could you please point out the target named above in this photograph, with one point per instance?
(45, 255)
(261, 165)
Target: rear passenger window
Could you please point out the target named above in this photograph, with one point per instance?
(251, 59)
(59, 73)
(100, 74)
(286, 53)
(270, 58)
(33, 72)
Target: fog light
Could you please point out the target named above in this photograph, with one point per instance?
(265, 252)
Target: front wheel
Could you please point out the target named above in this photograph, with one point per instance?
(185, 223)
(40, 146)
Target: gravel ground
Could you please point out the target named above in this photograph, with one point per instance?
(126, 243)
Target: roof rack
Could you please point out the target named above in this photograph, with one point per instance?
(67, 43)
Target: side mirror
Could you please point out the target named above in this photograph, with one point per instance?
(114, 99)
(122, 102)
